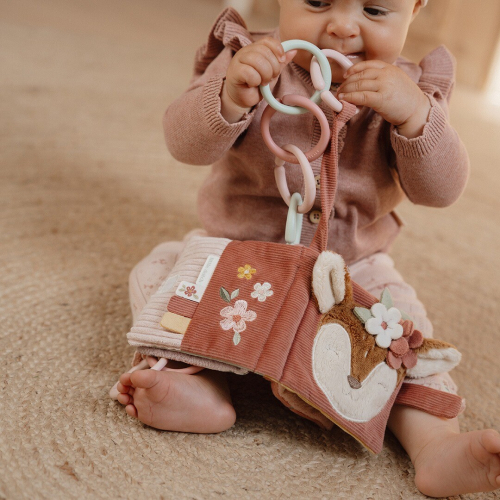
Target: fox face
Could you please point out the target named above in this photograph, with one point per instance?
(348, 364)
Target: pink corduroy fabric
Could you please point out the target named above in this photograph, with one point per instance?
(378, 168)
(373, 273)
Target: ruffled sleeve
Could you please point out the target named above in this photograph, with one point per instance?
(434, 167)
(229, 30)
(195, 131)
(438, 73)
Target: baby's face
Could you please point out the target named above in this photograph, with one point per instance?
(360, 29)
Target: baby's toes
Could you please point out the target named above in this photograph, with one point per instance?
(124, 389)
(491, 441)
(145, 379)
(125, 380)
(124, 399)
(131, 411)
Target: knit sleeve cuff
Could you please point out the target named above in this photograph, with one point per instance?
(425, 143)
(212, 112)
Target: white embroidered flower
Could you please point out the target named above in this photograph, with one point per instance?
(262, 291)
(384, 325)
(236, 317)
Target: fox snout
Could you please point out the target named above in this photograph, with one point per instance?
(353, 382)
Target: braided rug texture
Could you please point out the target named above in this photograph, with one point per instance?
(87, 189)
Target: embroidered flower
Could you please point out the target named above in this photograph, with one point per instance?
(384, 324)
(401, 350)
(261, 292)
(246, 272)
(237, 316)
(190, 290)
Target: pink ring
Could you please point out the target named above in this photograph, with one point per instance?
(309, 181)
(296, 100)
(160, 365)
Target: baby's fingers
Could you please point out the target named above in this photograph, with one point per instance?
(362, 98)
(282, 57)
(250, 76)
(359, 86)
(255, 63)
(364, 66)
(275, 46)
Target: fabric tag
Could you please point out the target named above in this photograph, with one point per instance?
(207, 270)
(190, 291)
(168, 284)
(175, 323)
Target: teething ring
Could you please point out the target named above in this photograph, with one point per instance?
(316, 97)
(293, 229)
(161, 365)
(296, 100)
(309, 181)
(319, 83)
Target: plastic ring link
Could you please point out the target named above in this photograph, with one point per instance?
(316, 97)
(317, 150)
(319, 83)
(293, 230)
(309, 180)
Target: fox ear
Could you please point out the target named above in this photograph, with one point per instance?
(329, 280)
(434, 356)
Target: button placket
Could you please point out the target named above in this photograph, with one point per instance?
(315, 216)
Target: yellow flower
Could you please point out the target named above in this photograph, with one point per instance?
(246, 272)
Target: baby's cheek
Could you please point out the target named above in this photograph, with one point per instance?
(385, 47)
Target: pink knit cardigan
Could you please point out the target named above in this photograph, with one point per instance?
(378, 168)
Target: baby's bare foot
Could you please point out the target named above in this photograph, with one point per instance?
(459, 463)
(173, 401)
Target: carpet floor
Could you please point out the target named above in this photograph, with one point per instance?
(87, 188)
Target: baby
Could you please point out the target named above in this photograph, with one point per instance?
(399, 145)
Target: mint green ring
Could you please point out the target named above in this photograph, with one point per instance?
(293, 229)
(326, 71)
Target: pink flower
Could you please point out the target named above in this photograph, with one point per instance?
(401, 350)
(190, 290)
(237, 316)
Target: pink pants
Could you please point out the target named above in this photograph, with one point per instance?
(373, 273)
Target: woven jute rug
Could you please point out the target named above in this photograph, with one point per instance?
(87, 189)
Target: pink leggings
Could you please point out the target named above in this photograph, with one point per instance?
(374, 273)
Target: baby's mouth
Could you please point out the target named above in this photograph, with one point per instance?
(354, 56)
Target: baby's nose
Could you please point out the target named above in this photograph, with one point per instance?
(342, 27)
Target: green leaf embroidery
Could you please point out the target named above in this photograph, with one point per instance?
(236, 338)
(235, 294)
(363, 314)
(386, 298)
(405, 316)
(224, 295)
(196, 297)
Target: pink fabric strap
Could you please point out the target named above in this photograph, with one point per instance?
(329, 173)
(438, 403)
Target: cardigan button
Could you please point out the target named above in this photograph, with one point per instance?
(317, 178)
(315, 216)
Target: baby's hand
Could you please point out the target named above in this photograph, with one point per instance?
(253, 65)
(390, 92)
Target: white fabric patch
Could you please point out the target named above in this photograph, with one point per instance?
(329, 280)
(168, 285)
(207, 271)
(435, 361)
(190, 291)
(331, 365)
